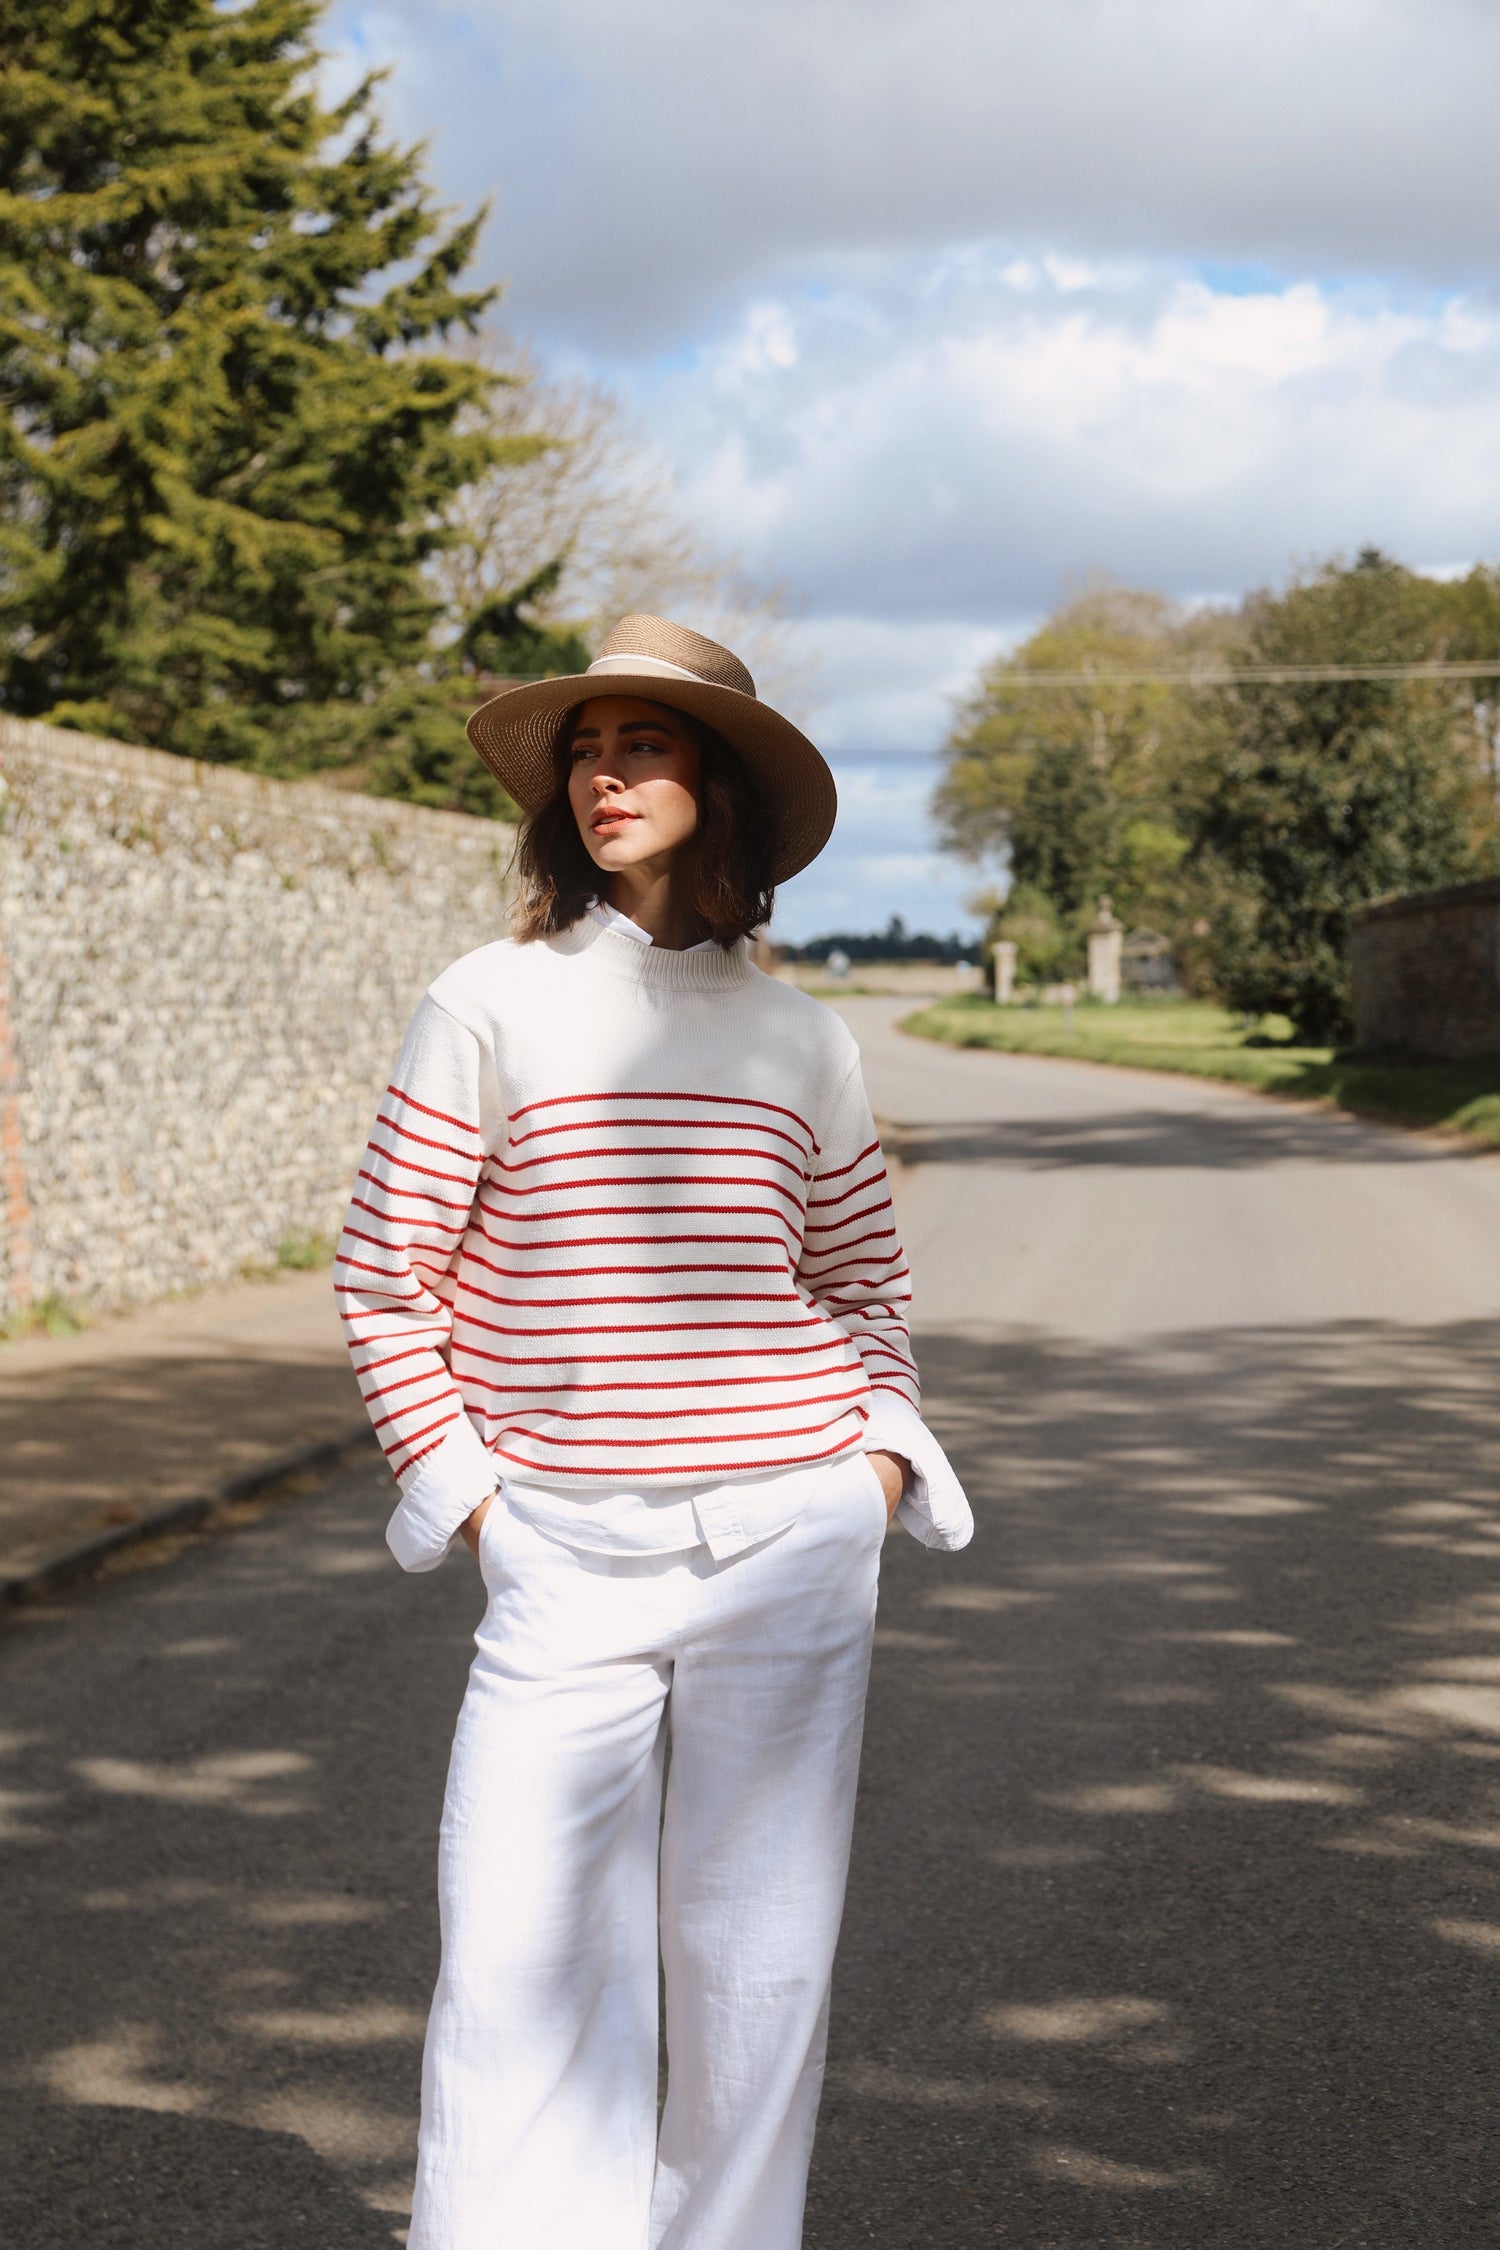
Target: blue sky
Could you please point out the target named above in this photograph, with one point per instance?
(935, 308)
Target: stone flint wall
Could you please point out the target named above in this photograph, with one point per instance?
(204, 977)
(1425, 972)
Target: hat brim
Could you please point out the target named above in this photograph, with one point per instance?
(516, 733)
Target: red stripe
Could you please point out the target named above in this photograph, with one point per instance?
(362, 1265)
(684, 1413)
(440, 1114)
(392, 1219)
(412, 1406)
(391, 1450)
(641, 1211)
(656, 1328)
(652, 1180)
(401, 1334)
(865, 1281)
(715, 1155)
(727, 1101)
(817, 1281)
(570, 1359)
(657, 1124)
(831, 1202)
(588, 1273)
(388, 1187)
(383, 1391)
(401, 1443)
(412, 1352)
(363, 1289)
(383, 1242)
(621, 1243)
(394, 1125)
(697, 1468)
(656, 1297)
(807, 1429)
(837, 1171)
(423, 1171)
(840, 1249)
(571, 1390)
(850, 1219)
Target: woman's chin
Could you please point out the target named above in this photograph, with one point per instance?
(613, 854)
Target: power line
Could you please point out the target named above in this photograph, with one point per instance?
(1264, 675)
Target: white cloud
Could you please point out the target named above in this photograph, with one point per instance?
(654, 162)
(886, 687)
(933, 449)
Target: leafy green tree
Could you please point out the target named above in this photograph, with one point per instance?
(1063, 832)
(1321, 795)
(1048, 950)
(1076, 787)
(227, 435)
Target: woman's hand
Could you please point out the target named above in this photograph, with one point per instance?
(470, 1528)
(893, 1473)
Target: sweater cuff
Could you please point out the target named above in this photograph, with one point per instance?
(933, 1506)
(450, 1484)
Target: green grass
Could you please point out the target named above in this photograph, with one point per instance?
(1194, 1037)
(300, 1252)
(48, 1316)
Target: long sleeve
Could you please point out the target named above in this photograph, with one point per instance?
(854, 1269)
(852, 1265)
(394, 1281)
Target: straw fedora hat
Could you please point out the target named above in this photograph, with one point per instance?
(516, 732)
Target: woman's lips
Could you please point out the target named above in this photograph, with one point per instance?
(603, 820)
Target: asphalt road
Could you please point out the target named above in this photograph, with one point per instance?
(1175, 1913)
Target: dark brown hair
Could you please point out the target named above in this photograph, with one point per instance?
(727, 860)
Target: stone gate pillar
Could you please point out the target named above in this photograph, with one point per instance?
(1106, 938)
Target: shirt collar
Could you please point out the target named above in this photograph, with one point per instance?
(610, 918)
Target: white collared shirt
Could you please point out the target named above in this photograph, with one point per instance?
(610, 918)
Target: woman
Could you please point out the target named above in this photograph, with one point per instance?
(625, 1297)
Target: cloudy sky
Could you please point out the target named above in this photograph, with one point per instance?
(935, 306)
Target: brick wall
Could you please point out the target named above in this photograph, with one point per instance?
(204, 977)
(1425, 972)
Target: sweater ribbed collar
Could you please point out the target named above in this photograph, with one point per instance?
(655, 967)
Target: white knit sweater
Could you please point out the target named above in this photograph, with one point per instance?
(624, 1221)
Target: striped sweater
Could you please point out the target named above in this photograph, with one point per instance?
(623, 1220)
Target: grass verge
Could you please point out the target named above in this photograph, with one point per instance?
(48, 1316)
(1202, 1041)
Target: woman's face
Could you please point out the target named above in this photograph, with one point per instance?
(633, 781)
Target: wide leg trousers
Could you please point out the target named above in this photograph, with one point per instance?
(562, 1871)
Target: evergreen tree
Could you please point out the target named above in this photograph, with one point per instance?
(416, 732)
(226, 437)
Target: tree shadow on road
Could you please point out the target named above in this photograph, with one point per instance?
(106, 1441)
(220, 1781)
(1237, 1135)
(125, 2179)
(1175, 1914)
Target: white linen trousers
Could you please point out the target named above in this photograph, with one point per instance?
(560, 1864)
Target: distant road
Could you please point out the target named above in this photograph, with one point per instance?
(1175, 1914)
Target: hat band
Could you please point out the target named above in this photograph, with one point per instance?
(656, 666)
